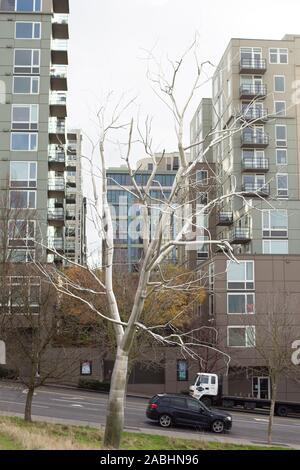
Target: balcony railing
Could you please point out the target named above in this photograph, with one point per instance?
(59, 45)
(56, 244)
(240, 235)
(57, 184)
(253, 113)
(59, 99)
(57, 127)
(56, 214)
(59, 71)
(256, 189)
(253, 91)
(225, 218)
(60, 19)
(253, 65)
(56, 156)
(254, 139)
(255, 164)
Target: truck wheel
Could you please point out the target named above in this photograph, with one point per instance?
(282, 411)
(217, 426)
(206, 401)
(165, 421)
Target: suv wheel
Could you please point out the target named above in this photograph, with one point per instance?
(217, 426)
(165, 421)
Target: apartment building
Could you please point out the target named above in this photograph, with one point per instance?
(126, 209)
(255, 83)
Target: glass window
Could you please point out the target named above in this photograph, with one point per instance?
(24, 142)
(21, 232)
(28, 5)
(279, 83)
(241, 336)
(28, 30)
(25, 117)
(26, 85)
(179, 402)
(280, 108)
(193, 405)
(275, 223)
(182, 371)
(281, 136)
(23, 174)
(279, 56)
(281, 156)
(240, 275)
(202, 177)
(22, 199)
(282, 185)
(275, 247)
(241, 304)
(21, 256)
(27, 61)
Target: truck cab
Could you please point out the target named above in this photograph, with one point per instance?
(205, 387)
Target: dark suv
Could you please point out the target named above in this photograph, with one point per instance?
(185, 411)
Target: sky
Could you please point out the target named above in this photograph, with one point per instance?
(109, 40)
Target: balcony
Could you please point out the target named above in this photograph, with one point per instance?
(61, 6)
(56, 158)
(56, 185)
(255, 91)
(255, 66)
(71, 161)
(256, 189)
(57, 131)
(60, 27)
(55, 244)
(70, 246)
(71, 214)
(225, 219)
(252, 139)
(240, 236)
(253, 113)
(56, 216)
(58, 104)
(58, 77)
(255, 164)
(59, 52)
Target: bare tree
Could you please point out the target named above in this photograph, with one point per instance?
(156, 246)
(276, 332)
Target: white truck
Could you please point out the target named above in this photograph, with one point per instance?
(207, 388)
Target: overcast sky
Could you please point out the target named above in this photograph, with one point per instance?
(109, 37)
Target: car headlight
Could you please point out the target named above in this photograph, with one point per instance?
(228, 418)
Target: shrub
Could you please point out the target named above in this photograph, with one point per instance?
(92, 384)
(8, 374)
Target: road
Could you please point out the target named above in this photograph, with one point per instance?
(90, 408)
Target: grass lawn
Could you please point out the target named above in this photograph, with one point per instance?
(15, 434)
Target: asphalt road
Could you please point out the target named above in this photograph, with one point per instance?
(90, 408)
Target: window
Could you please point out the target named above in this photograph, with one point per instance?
(275, 223)
(240, 276)
(279, 56)
(194, 405)
(21, 233)
(280, 108)
(202, 177)
(21, 141)
(150, 166)
(22, 199)
(27, 61)
(22, 292)
(251, 53)
(275, 247)
(28, 30)
(23, 174)
(282, 185)
(241, 336)
(279, 83)
(281, 136)
(25, 117)
(178, 402)
(281, 156)
(26, 85)
(28, 5)
(182, 371)
(241, 304)
(22, 256)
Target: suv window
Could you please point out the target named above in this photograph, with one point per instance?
(178, 402)
(193, 405)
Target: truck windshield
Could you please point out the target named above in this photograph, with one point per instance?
(202, 380)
